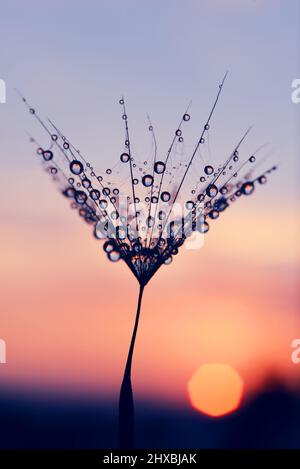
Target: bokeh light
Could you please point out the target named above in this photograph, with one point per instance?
(215, 389)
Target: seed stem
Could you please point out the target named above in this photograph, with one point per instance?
(126, 403)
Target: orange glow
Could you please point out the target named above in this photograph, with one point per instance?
(215, 389)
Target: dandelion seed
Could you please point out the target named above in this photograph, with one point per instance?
(139, 224)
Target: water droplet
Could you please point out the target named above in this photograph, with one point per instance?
(165, 196)
(252, 159)
(208, 169)
(262, 179)
(168, 260)
(214, 214)
(109, 246)
(147, 180)
(103, 204)
(86, 183)
(189, 205)
(180, 139)
(116, 191)
(124, 157)
(39, 151)
(76, 167)
(108, 171)
(202, 140)
(201, 197)
(186, 117)
(178, 132)
(69, 192)
(66, 145)
(54, 137)
(154, 199)
(212, 190)
(47, 155)
(202, 179)
(206, 127)
(159, 167)
(161, 215)
(124, 117)
(203, 227)
(32, 111)
(106, 191)
(247, 188)
(135, 181)
(114, 215)
(80, 197)
(53, 170)
(95, 194)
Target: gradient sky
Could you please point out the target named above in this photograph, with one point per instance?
(66, 312)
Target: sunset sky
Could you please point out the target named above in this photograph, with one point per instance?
(66, 312)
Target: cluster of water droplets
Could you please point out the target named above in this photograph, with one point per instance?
(137, 221)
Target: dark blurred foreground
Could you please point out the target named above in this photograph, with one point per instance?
(272, 420)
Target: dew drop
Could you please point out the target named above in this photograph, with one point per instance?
(124, 157)
(80, 197)
(54, 137)
(212, 190)
(95, 194)
(189, 205)
(213, 214)
(165, 196)
(247, 188)
(47, 155)
(204, 227)
(147, 180)
(86, 183)
(262, 179)
(69, 192)
(108, 246)
(76, 167)
(208, 169)
(161, 215)
(66, 145)
(252, 159)
(106, 191)
(108, 171)
(186, 117)
(159, 167)
(103, 204)
(178, 132)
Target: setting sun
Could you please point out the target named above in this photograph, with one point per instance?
(215, 389)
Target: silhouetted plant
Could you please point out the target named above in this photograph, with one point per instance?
(139, 224)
